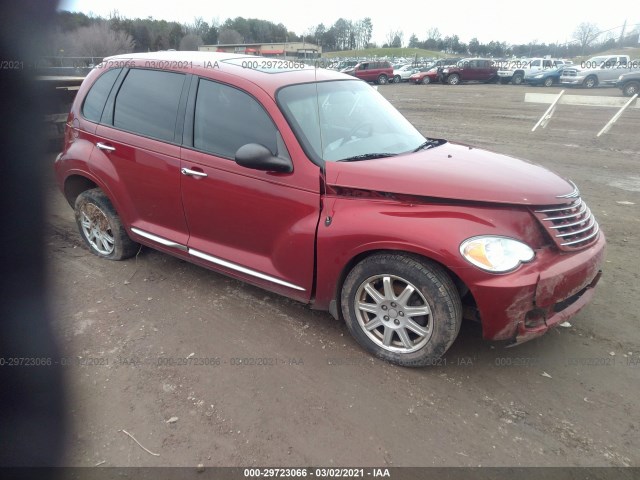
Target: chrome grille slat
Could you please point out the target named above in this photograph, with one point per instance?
(580, 222)
(583, 209)
(575, 232)
(589, 237)
(576, 204)
(571, 226)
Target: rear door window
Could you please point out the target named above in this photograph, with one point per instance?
(147, 103)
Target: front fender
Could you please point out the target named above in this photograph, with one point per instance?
(352, 227)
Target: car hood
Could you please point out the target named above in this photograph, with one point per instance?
(456, 172)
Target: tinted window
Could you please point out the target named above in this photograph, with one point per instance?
(227, 118)
(147, 103)
(97, 96)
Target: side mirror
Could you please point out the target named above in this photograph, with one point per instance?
(259, 157)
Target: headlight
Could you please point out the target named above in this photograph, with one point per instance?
(496, 254)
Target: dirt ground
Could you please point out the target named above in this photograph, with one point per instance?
(308, 395)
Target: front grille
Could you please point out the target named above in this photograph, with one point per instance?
(569, 72)
(571, 226)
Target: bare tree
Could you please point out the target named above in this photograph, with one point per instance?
(191, 41)
(394, 38)
(98, 40)
(585, 34)
(229, 36)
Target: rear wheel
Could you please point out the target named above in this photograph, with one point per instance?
(383, 80)
(631, 88)
(101, 227)
(401, 308)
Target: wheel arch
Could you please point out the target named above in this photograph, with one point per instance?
(335, 307)
(75, 184)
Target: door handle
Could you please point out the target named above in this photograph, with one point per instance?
(104, 146)
(192, 173)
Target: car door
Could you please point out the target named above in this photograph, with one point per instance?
(139, 155)
(256, 225)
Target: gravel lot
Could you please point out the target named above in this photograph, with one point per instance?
(310, 395)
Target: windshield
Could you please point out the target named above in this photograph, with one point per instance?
(346, 120)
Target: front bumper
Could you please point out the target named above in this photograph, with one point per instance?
(572, 80)
(525, 304)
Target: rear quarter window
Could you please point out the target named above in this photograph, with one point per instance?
(94, 101)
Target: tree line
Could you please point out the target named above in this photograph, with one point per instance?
(77, 34)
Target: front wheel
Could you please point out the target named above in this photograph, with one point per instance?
(453, 79)
(548, 81)
(590, 82)
(397, 79)
(631, 88)
(401, 308)
(426, 80)
(383, 80)
(517, 79)
(101, 227)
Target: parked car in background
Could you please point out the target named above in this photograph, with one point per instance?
(380, 72)
(344, 64)
(403, 73)
(431, 73)
(598, 71)
(546, 78)
(629, 83)
(515, 71)
(424, 75)
(469, 70)
(310, 184)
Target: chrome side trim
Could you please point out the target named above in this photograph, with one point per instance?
(160, 240)
(573, 194)
(239, 268)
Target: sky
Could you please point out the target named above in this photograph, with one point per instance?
(514, 22)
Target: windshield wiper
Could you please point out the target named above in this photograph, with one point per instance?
(366, 156)
(430, 143)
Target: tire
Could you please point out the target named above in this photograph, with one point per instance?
(101, 228)
(397, 79)
(376, 299)
(453, 79)
(383, 80)
(548, 82)
(631, 88)
(517, 78)
(426, 80)
(590, 82)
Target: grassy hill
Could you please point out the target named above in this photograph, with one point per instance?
(385, 52)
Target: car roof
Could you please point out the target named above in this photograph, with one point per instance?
(268, 73)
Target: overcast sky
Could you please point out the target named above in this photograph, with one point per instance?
(512, 21)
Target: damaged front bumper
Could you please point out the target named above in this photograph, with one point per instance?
(527, 303)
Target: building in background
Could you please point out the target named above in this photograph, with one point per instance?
(297, 50)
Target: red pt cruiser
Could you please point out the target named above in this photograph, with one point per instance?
(308, 183)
